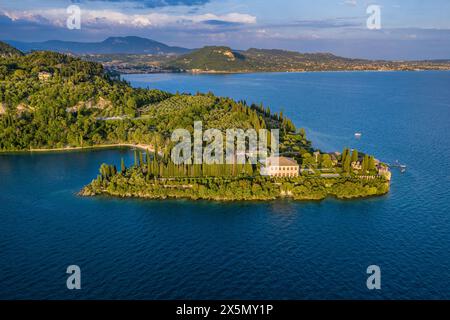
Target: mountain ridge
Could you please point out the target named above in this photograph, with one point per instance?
(140, 55)
(111, 45)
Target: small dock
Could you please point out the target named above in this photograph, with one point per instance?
(397, 164)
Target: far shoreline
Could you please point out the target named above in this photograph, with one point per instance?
(144, 147)
(188, 72)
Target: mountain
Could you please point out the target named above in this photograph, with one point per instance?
(8, 51)
(225, 59)
(112, 45)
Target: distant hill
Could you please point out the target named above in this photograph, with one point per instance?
(8, 51)
(112, 45)
(212, 58)
(225, 59)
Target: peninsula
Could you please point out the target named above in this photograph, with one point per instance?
(52, 101)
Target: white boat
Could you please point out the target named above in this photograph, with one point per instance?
(358, 135)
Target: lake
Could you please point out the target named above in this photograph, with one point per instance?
(138, 249)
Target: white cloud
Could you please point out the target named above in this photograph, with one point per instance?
(58, 17)
(351, 2)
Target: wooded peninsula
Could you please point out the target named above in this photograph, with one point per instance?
(50, 100)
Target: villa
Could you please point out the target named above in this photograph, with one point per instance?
(281, 167)
(44, 75)
(356, 165)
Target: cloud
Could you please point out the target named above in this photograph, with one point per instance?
(352, 3)
(152, 3)
(98, 18)
(220, 23)
(328, 23)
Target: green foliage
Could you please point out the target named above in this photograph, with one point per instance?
(107, 171)
(7, 51)
(207, 182)
(365, 164)
(355, 155)
(211, 58)
(77, 104)
(326, 161)
(67, 108)
(371, 163)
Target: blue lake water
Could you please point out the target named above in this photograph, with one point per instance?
(136, 249)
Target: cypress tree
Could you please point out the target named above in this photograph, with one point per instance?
(347, 164)
(141, 159)
(355, 155)
(365, 164)
(248, 169)
(345, 154)
(371, 165)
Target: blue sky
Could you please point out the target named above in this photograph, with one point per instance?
(410, 29)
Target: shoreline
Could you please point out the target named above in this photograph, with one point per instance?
(100, 146)
(157, 189)
(282, 72)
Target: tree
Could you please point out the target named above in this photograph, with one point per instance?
(131, 107)
(344, 156)
(326, 161)
(308, 160)
(149, 166)
(302, 132)
(123, 168)
(347, 164)
(107, 171)
(141, 159)
(355, 155)
(371, 164)
(365, 164)
(248, 169)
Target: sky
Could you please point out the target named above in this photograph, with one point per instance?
(408, 29)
